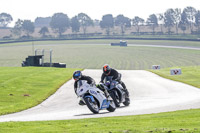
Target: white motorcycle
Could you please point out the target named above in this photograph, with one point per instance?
(93, 97)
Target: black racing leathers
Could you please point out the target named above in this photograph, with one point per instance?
(115, 76)
(87, 78)
(112, 73)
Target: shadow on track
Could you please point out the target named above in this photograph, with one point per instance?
(92, 114)
(121, 107)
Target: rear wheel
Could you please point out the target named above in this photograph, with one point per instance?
(93, 106)
(115, 99)
(127, 102)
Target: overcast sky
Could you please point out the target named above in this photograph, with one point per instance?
(30, 9)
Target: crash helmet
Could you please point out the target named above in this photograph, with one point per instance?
(77, 75)
(106, 69)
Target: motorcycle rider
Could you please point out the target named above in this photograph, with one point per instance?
(108, 71)
(77, 75)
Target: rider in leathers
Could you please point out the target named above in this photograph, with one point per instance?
(83, 77)
(107, 71)
(78, 76)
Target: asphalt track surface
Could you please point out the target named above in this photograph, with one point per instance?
(139, 45)
(149, 93)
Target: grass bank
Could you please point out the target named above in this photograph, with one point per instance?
(190, 75)
(173, 122)
(187, 121)
(25, 87)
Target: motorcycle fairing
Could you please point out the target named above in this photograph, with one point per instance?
(105, 104)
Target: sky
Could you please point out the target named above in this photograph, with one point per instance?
(31, 9)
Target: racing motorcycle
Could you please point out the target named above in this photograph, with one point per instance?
(116, 91)
(93, 97)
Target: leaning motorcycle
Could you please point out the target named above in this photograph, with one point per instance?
(116, 91)
(93, 97)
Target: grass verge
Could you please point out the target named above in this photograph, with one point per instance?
(25, 87)
(173, 122)
(190, 75)
(187, 121)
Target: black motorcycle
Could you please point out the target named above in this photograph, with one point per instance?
(116, 91)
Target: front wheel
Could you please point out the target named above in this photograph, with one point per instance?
(115, 99)
(111, 107)
(92, 105)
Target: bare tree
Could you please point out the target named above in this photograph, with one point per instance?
(161, 21)
(85, 21)
(137, 22)
(197, 20)
(43, 31)
(190, 12)
(17, 30)
(107, 23)
(183, 22)
(177, 18)
(169, 19)
(123, 22)
(60, 23)
(28, 27)
(5, 19)
(152, 21)
(75, 24)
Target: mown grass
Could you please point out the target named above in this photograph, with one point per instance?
(90, 56)
(190, 75)
(22, 88)
(173, 122)
(94, 56)
(187, 121)
(109, 41)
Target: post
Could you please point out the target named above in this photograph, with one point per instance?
(43, 52)
(33, 47)
(36, 52)
(50, 58)
(43, 57)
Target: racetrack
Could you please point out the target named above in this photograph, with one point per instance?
(149, 93)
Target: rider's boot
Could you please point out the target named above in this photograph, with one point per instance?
(127, 93)
(81, 103)
(125, 89)
(107, 95)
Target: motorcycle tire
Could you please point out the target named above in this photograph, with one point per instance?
(111, 107)
(91, 105)
(127, 102)
(116, 101)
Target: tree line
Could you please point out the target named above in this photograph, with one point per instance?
(188, 18)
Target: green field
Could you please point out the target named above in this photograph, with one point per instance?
(94, 56)
(14, 84)
(190, 75)
(187, 121)
(173, 122)
(22, 88)
(108, 41)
